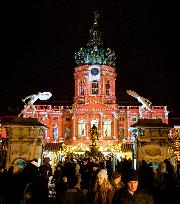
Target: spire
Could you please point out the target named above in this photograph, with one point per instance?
(96, 16)
(95, 34)
(94, 53)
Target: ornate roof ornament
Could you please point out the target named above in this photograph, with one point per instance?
(96, 16)
(95, 34)
(94, 53)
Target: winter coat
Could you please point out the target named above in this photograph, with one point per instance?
(122, 196)
(72, 196)
(100, 196)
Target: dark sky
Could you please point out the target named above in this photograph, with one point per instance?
(40, 38)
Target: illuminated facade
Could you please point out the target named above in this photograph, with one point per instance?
(94, 102)
(175, 136)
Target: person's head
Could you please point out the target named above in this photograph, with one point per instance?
(46, 160)
(2, 168)
(116, 177)
(59, 167)
(65, 179)
(132, 181)
(85, 161)
(102, 176)
(163, 167)
(95, 167)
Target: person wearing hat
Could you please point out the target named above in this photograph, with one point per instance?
(131, 193)
(116, 181)
(102, 192)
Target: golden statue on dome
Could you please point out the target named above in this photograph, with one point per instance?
(96, 16)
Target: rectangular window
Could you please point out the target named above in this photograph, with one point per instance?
(107, 88)
(81, 88)
(94, 87)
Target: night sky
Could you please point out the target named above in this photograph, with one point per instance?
(40, 38)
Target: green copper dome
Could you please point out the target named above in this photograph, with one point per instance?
(94, 53)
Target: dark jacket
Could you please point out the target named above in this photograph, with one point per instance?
(72, 196)
(122, 196)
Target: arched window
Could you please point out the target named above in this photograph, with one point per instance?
(81, 127)
(107, 128)
(107, 88)
(94, 89)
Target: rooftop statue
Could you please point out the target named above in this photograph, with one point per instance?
(145, 102)
(32, 99)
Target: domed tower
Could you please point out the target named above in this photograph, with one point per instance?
(95, 76)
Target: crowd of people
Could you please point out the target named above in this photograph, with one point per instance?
(89, 181)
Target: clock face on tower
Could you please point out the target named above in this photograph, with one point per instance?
(94, 71)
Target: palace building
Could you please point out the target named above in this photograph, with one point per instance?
(94, 103)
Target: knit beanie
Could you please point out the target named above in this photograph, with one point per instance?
(103, 173)
(132, 176)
